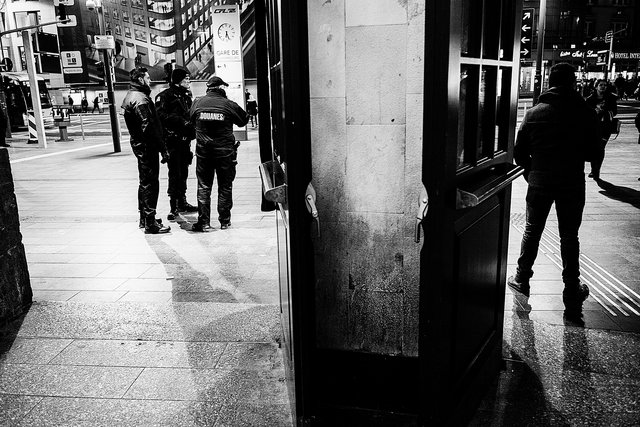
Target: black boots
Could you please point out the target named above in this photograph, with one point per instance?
(179, 205)
(152, 226)
(174, 212)
(141, 224)
(184, 206)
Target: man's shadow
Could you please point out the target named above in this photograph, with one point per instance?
(623, 194)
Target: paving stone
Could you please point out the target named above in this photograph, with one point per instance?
(31, 350)
(140, 353)
(58, 411)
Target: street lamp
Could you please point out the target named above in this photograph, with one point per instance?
(108, 75)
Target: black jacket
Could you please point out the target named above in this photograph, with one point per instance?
(214, 116)
(608, 109)
(173, 106)
(555, 138)
(142, 120)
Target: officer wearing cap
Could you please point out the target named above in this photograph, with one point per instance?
(173, 106)
(147, 144)
(214, 116)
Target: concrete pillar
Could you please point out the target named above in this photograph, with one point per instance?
(15, 287)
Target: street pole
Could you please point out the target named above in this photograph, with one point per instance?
(606, 73)
(34, 89)
(537, 82)
(109, 77)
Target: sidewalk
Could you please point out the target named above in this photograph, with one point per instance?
(133, 329)
(182, 329)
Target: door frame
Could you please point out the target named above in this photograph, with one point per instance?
(294, 130)
(437, 301)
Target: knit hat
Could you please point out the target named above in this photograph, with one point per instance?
(178, 75)
(215, 81)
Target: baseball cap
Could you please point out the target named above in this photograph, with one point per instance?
(215, 81)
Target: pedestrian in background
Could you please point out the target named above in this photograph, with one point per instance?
(84, 104)
(173, 106)
(145, 132)
(96, 105)
(606, 108)
(252, 109)
(216, 150)
(70, 104)
(555, 139)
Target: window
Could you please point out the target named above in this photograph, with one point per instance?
(138, 19)
(619, 29)
(163, 41)
(125, 16)
(589, 29)
(127, 32)
(115, 14)
(161, 24)
(185, 34)
(136, 4)
(140, 35)
(118, 30)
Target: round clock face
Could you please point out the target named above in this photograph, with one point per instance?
(226, 32)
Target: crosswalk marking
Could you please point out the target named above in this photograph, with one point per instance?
(607, 290)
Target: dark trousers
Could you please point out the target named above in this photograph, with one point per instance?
(569, 207)
(149, 186)
(206, 169)
(179, 161)
(598, 156)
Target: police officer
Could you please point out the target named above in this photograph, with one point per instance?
(216, 150)
(173, 106)
(146, 140)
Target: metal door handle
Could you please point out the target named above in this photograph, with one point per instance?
(310, 200)
(423, 208)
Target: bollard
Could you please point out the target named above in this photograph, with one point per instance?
(64, 136)
(33, 131)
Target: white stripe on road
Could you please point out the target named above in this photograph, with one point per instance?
(41, 156)
(609, 288)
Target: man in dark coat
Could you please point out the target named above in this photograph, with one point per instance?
(214, 116)
(173, 106)
(145, 131)
(555, 139)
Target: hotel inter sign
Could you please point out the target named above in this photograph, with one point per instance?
(566, 54)
(626, 55)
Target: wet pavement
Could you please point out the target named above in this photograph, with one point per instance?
(183, 329)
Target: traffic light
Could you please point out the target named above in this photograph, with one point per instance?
(62, 12)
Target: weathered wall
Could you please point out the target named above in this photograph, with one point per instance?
(366, 84)
(15, 288)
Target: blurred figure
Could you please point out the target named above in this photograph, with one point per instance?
(84, 104)
(606, 108)
(252, 109)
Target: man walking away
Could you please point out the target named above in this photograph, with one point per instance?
(173, 106)
(145, 131)
(214, 116)
(96, 105)
(555, 139)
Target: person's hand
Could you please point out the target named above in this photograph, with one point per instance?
(165, 157)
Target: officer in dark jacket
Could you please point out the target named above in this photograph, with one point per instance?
(214, 116)
(145, 131)
(173, 106)
(555, 139)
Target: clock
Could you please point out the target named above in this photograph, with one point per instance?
(226, 32)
